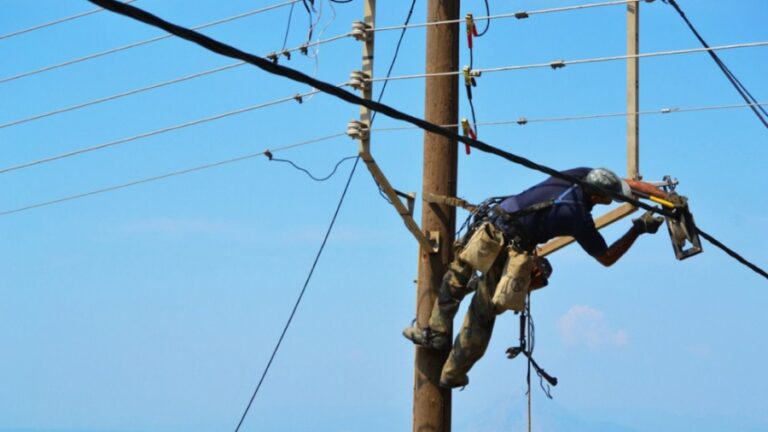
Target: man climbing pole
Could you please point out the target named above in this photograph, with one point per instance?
(516, 224)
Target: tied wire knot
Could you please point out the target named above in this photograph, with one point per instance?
(357, 130)
(358, 80)
(360, 31)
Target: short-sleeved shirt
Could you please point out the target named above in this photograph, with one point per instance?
(571, 215)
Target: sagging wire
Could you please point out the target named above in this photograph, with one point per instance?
(165, 176)
(269, 155)
(288, 28)
(301, 295)
(469, 78)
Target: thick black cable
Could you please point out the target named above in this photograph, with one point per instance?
(317, 179)
(295, 75)
(745, 94)
(268, 66)
(732, 254)
(301, 295)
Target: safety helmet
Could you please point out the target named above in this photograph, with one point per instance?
(604, 178)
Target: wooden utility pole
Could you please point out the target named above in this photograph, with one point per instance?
(431, 404)
(633, 84)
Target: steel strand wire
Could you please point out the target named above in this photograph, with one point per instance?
(54, 22)
(143, 135)
(168, 175)
(295, 75)
(139, 43)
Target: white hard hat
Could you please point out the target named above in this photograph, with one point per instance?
(604, 178)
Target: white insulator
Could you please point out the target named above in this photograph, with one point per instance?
(475, 73)
(357, 129)
(358, 80)
(359, 30)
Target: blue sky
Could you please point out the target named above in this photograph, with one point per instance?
(155, 307)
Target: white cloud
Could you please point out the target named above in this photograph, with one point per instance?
(586, 326)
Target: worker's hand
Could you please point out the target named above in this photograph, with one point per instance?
(648, 223)
(679, 201)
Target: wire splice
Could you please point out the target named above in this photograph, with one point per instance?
(557, 64)
(471, 29)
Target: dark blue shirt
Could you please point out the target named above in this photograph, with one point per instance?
(571, 215)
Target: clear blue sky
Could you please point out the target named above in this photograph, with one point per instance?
(155, 307)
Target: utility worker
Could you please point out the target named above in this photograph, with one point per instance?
(516, 224)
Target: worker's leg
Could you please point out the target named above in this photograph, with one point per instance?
(454, 288)
(475, 333)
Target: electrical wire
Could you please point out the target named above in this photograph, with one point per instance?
(487, 20)
(120, 95)
(313, 177)
(523, 120)
(153, 86)
(745, 94)
(156, 132)
(557, 64)
(288, 26)
(732, 253)
(139, 43)
(518, 15)
(294, 75)
(301, 295)
(167, 175)
(54, 22)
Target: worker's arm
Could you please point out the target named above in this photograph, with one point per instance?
(619, 247)
(647, 223)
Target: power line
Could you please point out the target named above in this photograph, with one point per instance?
(294, 75)
(140, 43)
(157, 132)
(120, 95)
(167, 175)
(557, 64)
(518, 15)
(524, 120)
(154, 86)
(54, 22)
(732, 253)
(745, 94)
(301, 294)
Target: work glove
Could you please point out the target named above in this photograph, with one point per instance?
(648, 223)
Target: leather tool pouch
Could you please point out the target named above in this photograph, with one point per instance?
(483, 247)
(515, 282)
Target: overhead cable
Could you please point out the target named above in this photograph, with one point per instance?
(522, 121)
(557, 64)
(168, 175)
(54, 22)
(120, 95)
(229, 51)
(745, 94)
(732, 253)
(140, 43)
(301, 294)
(153, 86)
(518, 15)
(157, 132)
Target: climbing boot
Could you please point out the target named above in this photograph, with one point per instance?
(427, 338)
(453, 381)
